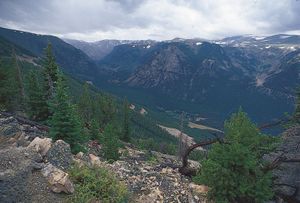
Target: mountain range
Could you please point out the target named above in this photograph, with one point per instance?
(209, 78)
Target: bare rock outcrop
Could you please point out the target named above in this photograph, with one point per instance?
(287, 174)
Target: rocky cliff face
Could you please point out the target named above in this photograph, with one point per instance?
(287, 174)
(186, 72)
(166, 67)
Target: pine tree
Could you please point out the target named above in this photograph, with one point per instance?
(94, 130)
(97, 110)
(3, 86)
(233, 170)
(50, 72)
(65, 122)
(110, 142)
(50, 76)
(36, 102)
(125, 130)
(10, 88)
(108, 109)
(18, 76)
(85, 105)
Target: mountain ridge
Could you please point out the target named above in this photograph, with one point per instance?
(208, 78)
(71, 59)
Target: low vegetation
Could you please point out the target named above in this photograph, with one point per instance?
(96, 185)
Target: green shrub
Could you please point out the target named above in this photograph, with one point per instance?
(96, 184)
(234, 171)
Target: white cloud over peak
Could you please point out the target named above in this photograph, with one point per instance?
(151, 19)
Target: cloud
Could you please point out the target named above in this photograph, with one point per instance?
(151, 19)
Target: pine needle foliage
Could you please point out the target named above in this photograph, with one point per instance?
(65, 122)
(37, 106)
(233, 170)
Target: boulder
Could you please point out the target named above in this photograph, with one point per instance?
(58, 179)
(94, 160)
(59, 155)
(41, 145)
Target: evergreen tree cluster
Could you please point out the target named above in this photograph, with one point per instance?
(44, 96)
(11, 86)
(48, 101)
(99, 114)
(92, 110)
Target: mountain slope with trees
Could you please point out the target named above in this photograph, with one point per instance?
(72, 60)
(50, 97)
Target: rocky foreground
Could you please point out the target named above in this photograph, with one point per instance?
(34, 169)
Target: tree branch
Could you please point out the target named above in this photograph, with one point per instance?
(184, 168)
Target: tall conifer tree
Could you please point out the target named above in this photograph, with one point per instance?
(36, 102)
(125, 128)
(10, 91)
(110, 142)
(85, 104)
(50, 72)
(65, 122)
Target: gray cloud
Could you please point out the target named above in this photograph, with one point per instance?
(156, 19)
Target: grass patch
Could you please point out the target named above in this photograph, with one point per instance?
(97, 184)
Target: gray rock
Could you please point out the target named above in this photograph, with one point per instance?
(287, 175)
(9, 126)
(21, 179)
(59, 155)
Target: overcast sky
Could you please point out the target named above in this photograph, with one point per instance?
(93, 20)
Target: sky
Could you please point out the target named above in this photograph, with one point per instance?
(93, 20)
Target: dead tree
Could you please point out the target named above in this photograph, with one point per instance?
(185, 169)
